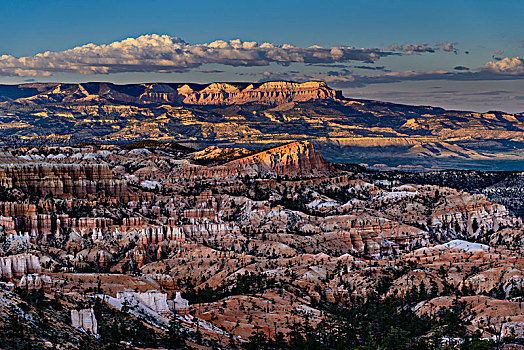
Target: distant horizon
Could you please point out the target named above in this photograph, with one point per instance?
(465, 55)
(385, 100)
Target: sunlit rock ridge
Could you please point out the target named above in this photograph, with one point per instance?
(255, 115)
(274, 92)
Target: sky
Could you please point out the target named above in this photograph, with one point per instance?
(454, 54)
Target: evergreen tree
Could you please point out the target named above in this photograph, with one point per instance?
(175, 339)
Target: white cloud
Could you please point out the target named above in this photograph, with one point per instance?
(505, 69)
(410, 49)
(448, 47)
(163, 54)
(507, 66)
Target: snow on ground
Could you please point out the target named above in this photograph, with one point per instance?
(150, 184)
(457, 244)
(466, 246)
(395, 195)
(319, 204)
(137, 309)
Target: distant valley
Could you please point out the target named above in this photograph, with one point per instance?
(255, 115)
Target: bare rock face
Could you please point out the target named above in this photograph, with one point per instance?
(276, 92)
(297, 158)
(294, 159)
(153, 299)
(84, 319)
(16, 266)
(35, 281)
(154, 235)
(17, 209)
(60, 179)
(180, 305)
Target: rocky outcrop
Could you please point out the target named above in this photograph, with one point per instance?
(154, 235)
(156, 301)
(275, 92)
(199, 232)
(180, 305)
(44, 224)
(61, 179)
(17, 209)
(35, 281)
(84, 319)
(152, 299)
(292, 160)
(16, 266)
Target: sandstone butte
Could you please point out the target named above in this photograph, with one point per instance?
(277, 92)
(297, 159)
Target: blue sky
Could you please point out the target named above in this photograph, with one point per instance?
(479, 32)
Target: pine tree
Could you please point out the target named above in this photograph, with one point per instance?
(175, 340)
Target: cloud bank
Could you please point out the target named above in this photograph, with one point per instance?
(507, 66)
(167, 54)
(410, 49)
(505, 69)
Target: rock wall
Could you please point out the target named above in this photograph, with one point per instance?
(61, 179)
(276, 92)
(273, 92)
(16, 266)
(207, 230)
(84, 319)
(153, 235)
(44, 224)
(35, 281)
(180, 305)
(292, 160)
(153, 299)
(17, 209)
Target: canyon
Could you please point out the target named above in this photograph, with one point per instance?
(132, 243)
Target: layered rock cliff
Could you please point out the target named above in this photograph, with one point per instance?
(84, 319)
(35, 281)
(292, 160)
(275, 92)
(60, 179)
(16, 266)
(152, 299)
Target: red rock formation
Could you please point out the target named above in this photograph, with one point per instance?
(17, 209)
(297, 158)
(294, 159)
(205, 208)
(274, 92)
(44, 224)
(61, 179)
(154, 235)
